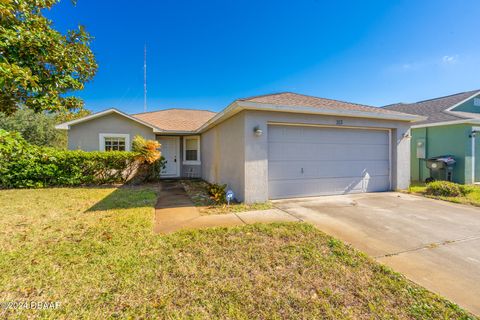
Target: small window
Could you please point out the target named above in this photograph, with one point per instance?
(191, 150)
(114, 144)
(476, 102)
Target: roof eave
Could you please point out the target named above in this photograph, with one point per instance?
(446, 123)
(332, 112)
(239, 105)
(462, 102)
(68, 124)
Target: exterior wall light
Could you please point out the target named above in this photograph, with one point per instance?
(257, 131)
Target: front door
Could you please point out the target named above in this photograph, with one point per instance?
(170, 148)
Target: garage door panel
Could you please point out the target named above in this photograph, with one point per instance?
(279, 170)
(309, 161)
(312, 134)
(327, 186)
(303, 151)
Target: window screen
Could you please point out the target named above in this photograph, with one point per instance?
(114, 144)
(191, 149)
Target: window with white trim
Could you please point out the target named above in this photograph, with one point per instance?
(476, 102)
(114, 142)
(191, 150)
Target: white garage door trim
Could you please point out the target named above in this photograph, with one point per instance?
(387, 130)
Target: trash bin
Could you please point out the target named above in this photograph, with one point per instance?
(441, 168)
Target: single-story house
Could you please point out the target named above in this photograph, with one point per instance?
(267, 147)
(449, 129)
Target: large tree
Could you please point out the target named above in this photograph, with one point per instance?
(38, 128)
(39, 66)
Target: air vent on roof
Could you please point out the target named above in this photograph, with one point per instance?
(476, 102)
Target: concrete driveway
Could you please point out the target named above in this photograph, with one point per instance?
(434, 243)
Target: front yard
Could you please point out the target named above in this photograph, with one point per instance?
(93, 250)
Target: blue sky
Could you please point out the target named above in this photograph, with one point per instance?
(205, 54)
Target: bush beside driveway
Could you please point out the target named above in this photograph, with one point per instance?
(467, 194)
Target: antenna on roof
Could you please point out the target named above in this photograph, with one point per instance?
(145, 78)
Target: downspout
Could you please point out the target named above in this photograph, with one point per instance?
(472, 136)
(473, 158)
(426, 155)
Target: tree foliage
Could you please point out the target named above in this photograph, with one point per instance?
(38, 64)
(39, 128)
(148, 150)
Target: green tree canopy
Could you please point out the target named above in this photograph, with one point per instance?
(39, 66)
(38, 128)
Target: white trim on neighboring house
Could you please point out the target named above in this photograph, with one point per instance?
(191, 162)
(475, 130)
(66, 125)
(463, 101)
(102, 136)
(446, 123)
(473, 157)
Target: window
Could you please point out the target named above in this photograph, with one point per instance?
(476, 102)
(191, 150)
(114, 142)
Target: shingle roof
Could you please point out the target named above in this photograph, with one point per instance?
(297, 100)
(436, 109)
(176, 119)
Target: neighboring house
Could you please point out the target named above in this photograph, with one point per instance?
(448, 130)
(268, 147)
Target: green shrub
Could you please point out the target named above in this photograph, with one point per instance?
(149, 155)
(148, 150)
(217, 192)
(447, 189)
(26, 166)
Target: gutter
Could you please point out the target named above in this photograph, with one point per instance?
(238, 106)
(446, 123)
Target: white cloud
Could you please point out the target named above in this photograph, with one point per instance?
(450, 59)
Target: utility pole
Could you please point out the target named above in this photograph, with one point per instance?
(145, 78)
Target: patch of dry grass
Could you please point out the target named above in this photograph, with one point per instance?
(93, 250)
(197, 191)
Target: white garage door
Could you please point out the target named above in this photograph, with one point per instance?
(310, 161)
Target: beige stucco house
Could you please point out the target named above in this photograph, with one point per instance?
(267, 147)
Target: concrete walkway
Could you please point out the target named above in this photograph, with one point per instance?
(175, 211)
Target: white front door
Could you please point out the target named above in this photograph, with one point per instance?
(170, 148)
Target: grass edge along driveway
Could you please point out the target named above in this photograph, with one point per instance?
(93, 250)
(472, 198)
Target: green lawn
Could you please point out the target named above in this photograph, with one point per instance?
(93, 250)
(471, 198)
(197, 191)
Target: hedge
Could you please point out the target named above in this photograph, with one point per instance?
(447, 189)
(27, 166)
